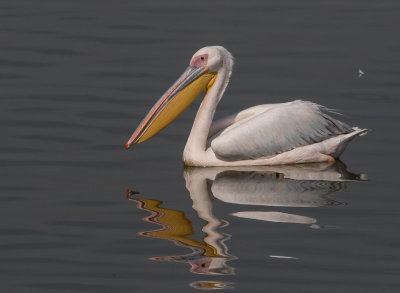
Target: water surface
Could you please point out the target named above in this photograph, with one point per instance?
(76, 77)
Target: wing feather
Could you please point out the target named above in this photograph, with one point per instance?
(280, 128)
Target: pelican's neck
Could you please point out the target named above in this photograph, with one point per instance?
(196, 143)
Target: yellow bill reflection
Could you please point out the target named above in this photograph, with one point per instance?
(207, 257)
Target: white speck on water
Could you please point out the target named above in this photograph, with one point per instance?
(283, 256)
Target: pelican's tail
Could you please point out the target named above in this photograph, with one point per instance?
(345, 139)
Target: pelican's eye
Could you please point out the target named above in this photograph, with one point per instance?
(199, 61)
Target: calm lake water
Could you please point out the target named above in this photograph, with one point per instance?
(79, 213)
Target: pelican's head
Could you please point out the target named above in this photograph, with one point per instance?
(199, 76)
(214, 57)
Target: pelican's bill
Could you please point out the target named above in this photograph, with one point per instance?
(175, 100)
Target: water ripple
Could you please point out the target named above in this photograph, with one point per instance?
(44, 51)
(23, 63)
(80, 287)
(60, 163)
(35, 246)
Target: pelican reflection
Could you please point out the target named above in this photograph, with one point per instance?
(268, 187)
(305, 185)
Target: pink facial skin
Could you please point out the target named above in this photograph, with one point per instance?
(199, 61)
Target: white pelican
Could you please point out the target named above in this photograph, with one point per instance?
(271, 134)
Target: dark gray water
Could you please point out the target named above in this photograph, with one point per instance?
(76, 77)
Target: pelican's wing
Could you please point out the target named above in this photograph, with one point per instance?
(224, 122)
(279, 128)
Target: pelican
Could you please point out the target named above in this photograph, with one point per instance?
(270, 134)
